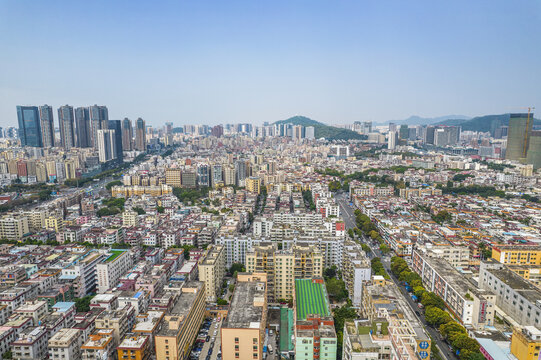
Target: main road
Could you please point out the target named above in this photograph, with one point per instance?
(348, 215)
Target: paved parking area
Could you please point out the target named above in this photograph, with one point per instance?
(273, 340)
(214, 343)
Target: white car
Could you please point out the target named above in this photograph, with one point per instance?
(215, 332)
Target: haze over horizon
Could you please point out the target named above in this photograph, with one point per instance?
(216, 62)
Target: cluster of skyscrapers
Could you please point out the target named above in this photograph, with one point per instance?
(437, 135)
(82, 127)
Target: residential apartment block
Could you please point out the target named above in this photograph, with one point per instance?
(181, 324)
(472, 306)
(212, 271)
(284, 266)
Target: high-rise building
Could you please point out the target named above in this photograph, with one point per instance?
(240, 170)
(518, 136)
(298, 132)
(284, 266)
(203, 178)
(127, 134)
(310, 133)
(116, 126)
(66, 120)
(216, 173)
(253, 184)
(173, 177)
(393, 139)
(168, 127)
(99, 116)
(429, 135)
(446, 135)
(106, 145)
(229, 175)
(189, 178)
(84, 127)
(212, 271)
(29, 126)
(47, 125)
(140, 135)
(217, 131)
(404, 132)
(534, 149)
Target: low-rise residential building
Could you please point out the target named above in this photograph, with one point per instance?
(135, 348)
(100, 345)
(516, 297)
(526, 343)
(120, 320)
(472, 306)
(517, 254)
(314, 327)
(31, 344)
(66, 345)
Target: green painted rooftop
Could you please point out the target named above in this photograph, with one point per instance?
(114, 255)
(310, 298)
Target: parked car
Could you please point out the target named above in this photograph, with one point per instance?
(208, 338)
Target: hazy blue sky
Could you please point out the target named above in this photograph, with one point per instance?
(254, 61)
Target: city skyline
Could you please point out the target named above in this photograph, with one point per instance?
(197, 63)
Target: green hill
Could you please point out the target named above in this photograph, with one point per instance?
(322, 130)
(487, 123)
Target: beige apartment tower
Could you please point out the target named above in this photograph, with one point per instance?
(302, 261)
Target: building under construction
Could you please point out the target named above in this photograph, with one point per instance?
(523, 143)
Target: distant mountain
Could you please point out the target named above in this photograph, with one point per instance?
(322, 130)
(417, 120)
(487, 123)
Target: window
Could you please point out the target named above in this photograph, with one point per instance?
(236, 355)
(236, 340)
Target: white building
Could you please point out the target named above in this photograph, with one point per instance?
(31, 344)
(106, 145)
(517, 297)
(236, 248)
(112, 268)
